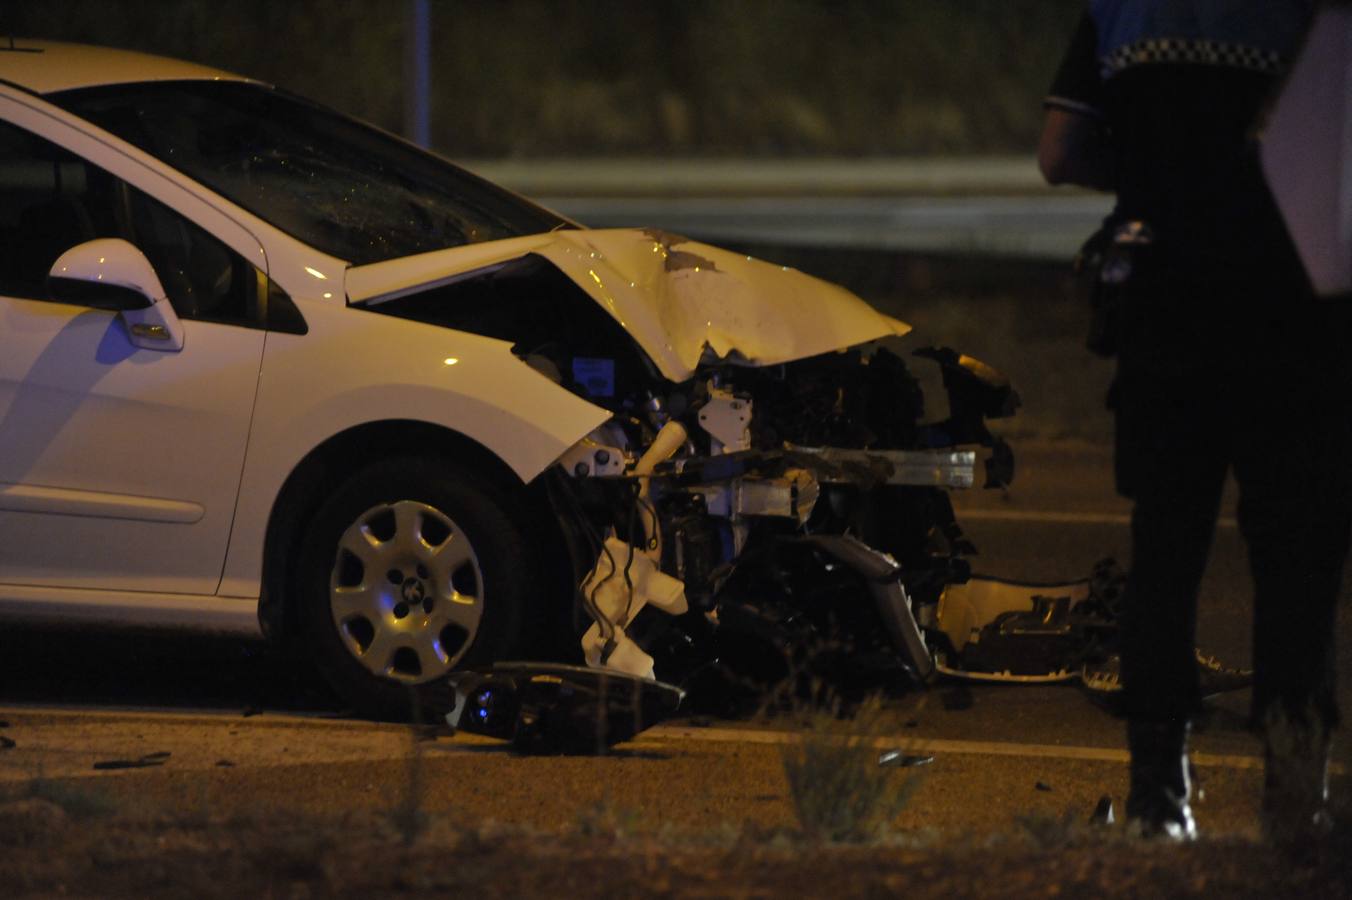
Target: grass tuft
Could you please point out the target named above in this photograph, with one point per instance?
(77, 800)
(607, 819)
(408, 816)
(839, 791)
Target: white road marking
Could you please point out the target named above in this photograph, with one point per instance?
(660, 733)
(194, 715)
(940, 746)
(1056, 517)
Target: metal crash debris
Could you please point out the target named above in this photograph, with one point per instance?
(766, 499)
(558, 709)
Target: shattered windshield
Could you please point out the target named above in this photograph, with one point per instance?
(340, 186)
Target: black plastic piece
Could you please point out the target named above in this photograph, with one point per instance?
(96, 294)
(999, 465)
(973, 386)
(547, 709)
(282, 314)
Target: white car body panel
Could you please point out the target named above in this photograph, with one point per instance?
(99, 608)
(357, 366)
(377, 282)
(27, 498)
(681, 300)
(100, 480)
(104, 448)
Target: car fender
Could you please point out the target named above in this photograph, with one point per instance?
(356, 367)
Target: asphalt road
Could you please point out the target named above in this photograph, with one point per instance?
(244, 727)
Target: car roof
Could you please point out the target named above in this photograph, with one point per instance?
(47, 66)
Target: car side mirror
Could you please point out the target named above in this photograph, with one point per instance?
(112, 274)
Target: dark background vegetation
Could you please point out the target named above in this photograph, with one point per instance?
(534, 78)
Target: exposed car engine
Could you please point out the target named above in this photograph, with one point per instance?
(801, 508)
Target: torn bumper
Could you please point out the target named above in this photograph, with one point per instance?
(543, 708)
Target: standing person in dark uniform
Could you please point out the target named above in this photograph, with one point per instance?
(1226, 361)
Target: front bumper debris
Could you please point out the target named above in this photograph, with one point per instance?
(543, 708)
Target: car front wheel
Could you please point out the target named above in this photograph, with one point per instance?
(412, 568)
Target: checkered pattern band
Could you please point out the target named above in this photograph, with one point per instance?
(1194, 51)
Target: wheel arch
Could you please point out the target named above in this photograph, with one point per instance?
(348, 451)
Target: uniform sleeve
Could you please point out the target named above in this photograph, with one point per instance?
(1077, 87)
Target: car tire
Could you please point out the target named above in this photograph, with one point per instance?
(411, 568)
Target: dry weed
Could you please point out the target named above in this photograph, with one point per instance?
(408, 816)
(839, 790)
(607, 819)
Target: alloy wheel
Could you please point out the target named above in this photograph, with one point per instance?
(406, 591)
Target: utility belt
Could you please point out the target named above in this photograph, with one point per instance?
(1105, 268)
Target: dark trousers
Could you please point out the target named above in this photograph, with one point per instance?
(1283, 427)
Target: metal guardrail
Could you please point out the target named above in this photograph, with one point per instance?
(656, 177)
(986, 206)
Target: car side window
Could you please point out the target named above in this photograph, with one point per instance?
(51, 200)
(203, 278)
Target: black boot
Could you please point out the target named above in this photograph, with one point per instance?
(1295, 778)
(1157, 805)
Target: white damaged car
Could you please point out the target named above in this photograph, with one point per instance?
(267, 368)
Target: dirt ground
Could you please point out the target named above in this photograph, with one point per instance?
(132, 805)
(45, 851)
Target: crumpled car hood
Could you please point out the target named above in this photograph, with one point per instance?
(683, 302)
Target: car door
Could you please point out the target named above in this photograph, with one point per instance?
(119, 465)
